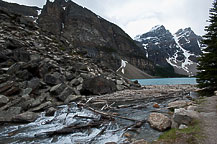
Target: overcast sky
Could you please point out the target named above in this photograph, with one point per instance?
(139, 16)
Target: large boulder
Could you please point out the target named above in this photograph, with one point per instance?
(97, 86)
(159, 121)
(183, 116)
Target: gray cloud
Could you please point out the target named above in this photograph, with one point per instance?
(138, 16)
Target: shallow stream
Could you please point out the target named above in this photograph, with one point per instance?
(107, 131)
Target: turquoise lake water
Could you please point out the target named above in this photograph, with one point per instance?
(167, 81)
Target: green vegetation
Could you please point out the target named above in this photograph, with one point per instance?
(190, 135)
(169, 135)
(207, 77)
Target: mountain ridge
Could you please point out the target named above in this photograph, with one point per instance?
(179, 50)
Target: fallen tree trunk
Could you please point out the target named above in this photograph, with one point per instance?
(107, 115)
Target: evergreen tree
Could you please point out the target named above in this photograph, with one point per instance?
(207, 77)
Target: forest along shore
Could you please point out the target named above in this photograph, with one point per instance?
(128, 115)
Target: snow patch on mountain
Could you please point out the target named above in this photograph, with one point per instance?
(156, 27)
(39, 12)
(123, 65)
(179, 50)
(186, 54)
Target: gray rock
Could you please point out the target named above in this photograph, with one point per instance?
(215, 93)
(3, 100)
(85, 76)
(75, 82)
(183, 116)
(5, 86)
(14, 68)
(21, 55)
(177, 104)
(97, 86)
(80, 79)
(69, 76)
(42, 107)
(6, 116)
(79, 87)
(26, 91)
(119, 82)
(76, 92)
(120, 87)
(60, 77)
(39, 100)
(26, 117)
(84, 68)
(24, 75)
(35, 57)
(174, 124)
(193, 108)
(58, 89)
(50, 79)
(26, 102)
(4, 78)
(13, 44)
(50, 112)
(66, 92)
(14, 110)
(34, 83)
(159, 121)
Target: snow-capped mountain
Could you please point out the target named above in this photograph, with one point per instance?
(179, 50)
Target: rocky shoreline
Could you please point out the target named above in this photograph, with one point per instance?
(128, 108)
(50, 91)
(39, 72)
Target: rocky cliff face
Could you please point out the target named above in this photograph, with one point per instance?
(38, 72)
(179, 50)
(82, 29)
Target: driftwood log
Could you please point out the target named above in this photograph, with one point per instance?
(107, 115)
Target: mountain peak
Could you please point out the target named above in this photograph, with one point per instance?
(185, 32)
(158, 27)
(179, 50)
